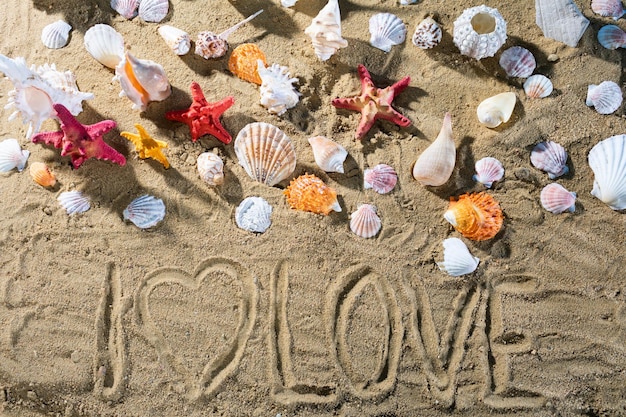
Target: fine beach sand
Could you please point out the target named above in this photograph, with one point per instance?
(198, 317)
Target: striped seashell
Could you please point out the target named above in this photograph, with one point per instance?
(309, 193)
(538, 86)
(605, 97)
(612, 37)
(329, 155)
(254, 215)
(386, 30)
(178, 40)
(550, 157)
(608, 8)
(382, 178)
(434, 166)
(12, 156)
(476, 216)
(126, 8)
(325, 31)
(364, 222)
(153, 10)
(42, 175)
(56, 34)
(243, 62)
(427, 34)
(105, 44)
(607, 160)
(518, 62)
(488, 171)
(145, 211)
(495, 110)
(457, 259)
(211, 168)
(556, 199)
(479, 32)
(74, 202)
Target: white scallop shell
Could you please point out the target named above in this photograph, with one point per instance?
(427, 34)
(211, 168)
(479, 32)
(495, 110)
(254, 215)
(325, 31)
(538, 86)
(56, 34)
(329, 155)
(277, 91)
(74, 202)
(105, 44)
(488, 171)
(556, 199)
(382, 178)
(607, 160)
(518, 62)
(457, 259)
(550, 157)
(612, 37)
(364, 222)
(145, 211)
(265, 152)
(151, 76)
(386, 30)
(126, 8)
(12, 155)
(288, 3)
(605, 97)
(561, 20)
(608, 8)
(435, 165)
(153, 10)
(178, 40)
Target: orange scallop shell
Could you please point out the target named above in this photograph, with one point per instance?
(243, 62)
(309, 193)
(476, 216)
(42, 174)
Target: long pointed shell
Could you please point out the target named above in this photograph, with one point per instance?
(142, 81)
(488, 171)
(435, 165)
(561, 20)
(382, 178)
(495, 110)
(612, 37)
(479, 32)
(457, 259)
(556, 199)
(325, 31)
(211, 168)
(126, 8)
(386, 30)
(607, 160)
(105, 44)
(42, 175)
(329, 155)
(145, 211)
(518, 62)
(427, 34)
(178, 40)
(74, 202)
(476, 216)
(56, 34)
(12, 156)
(277, 91)
(309, 193)
(364, 222)
(254, 215)
(538, 86)
(153, 10)
(605, 97)
(550, 157)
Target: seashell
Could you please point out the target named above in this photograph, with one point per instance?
(213, 45)
(518, 62)
(42, 175)
(427, 34)
(605, 97)
(325, 31)
(612, 37)
(288, 3)
(386, 30)
(406, 2)
(56, 34)
(145, 211)
(74, 202)
(382, 178)
(364, 222)
(479, 32)
(608, 8)
(607, 160)
(126, 8)
(434, 166)
(457, 259)
(142, 81)
(177, 39)
(476, 216)
(495, 110)
(253, 214)
(277, 91)
(12, 155)
(105, 44)
(488, 171)
(265, 152)
(309, 193)
(556, 199)
(538, 86)
(243, 62)
(211, 168)
(560, 20)
(550, 157)
(329, 155)
(153, 10)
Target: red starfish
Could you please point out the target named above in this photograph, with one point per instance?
(374, 103)
(80, 141)
(202, 117)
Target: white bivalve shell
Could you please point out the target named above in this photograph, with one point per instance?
(605, 97)
(495, 110)
(56, 34)
(254, 215)
(211, 168)
(74, 202)
(550, 157)
(288, 3)
(12, 156)
(612, 37)
(457, 259)
(608, 8)
(538, 86)
(145, 211)
(126, 8)
(142, 81)
(479, 32)
(382, 178)
(325, 31)
(386, 30)
(177, 39)
(105, 44)
(556, 199)
(518, 62)
(607, 160)
(427, 34)
(153, 10)
(488, 171)
(364, 222)
(561, 20)
(435, 165)
(277, 91)
(328, 154)
(265, 152)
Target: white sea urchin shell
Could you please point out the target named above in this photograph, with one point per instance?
(457, 259)
(607, 160)
(479, 32)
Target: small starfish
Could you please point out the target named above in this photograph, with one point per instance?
(374, 103)
(202, 117)
(80, 141)
(146, 146)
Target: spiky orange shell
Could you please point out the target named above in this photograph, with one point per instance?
(309, 193)
(476, 216)
(243, 62)
(42, 174)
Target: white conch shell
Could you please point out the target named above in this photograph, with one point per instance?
(105, 44)
(607, 160)
(435, 165)
(254, 215)
(178, 40)
(12, 155)
(329, 155)
(364, 222)
(277, 91)
(561, 20)
(496, 110)
(142, 81)
(74, 202)
(386, 30)
(56, 34)
(211, 168)
(153, 10)
(457, 259)
(145, 211)
(325, 31)
(479, 32)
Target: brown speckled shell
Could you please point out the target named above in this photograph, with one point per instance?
(243, 62)
(478, 216)
(309, 193)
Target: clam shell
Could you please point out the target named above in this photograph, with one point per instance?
(243, 62)
(309, 193)
(153, 10)
(42, 175)
(386, 30)
(476, 216)
(105, 44)
(556, 199)
(605, 97)
(538, 86)
(550, 157)
(364, 222)
(145, 211)
(211, 168)
(178, 40)
(126, 8)
(382, 178)
(12, 156)
(277, 91)
(329, 155)
(607, 160)
(265, 152)
(495, 110)
(253, 215)
(427, 34)
(56, 34)
(142, 81)
(488, 171)
(457, 259)
(608, 8)
(612, 37)
(479, 32)
(435, 165)
(518, 62)
(74, 202)
(325, 31)
(561, 20)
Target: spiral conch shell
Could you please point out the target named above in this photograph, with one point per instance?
(435, 165)
(328, 154)
(309, 193)
(142, 81)
(325, 31)
(476, 216)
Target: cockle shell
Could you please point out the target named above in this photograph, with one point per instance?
(56, 34)
(605, 97)
(254, 215)
(213, 45)
(495, 110)
(105, 44)
(608, 8)
(328, 154)
(427, 34)
(386, 30)
(538, 86)
(476, 216)
(560, 20)
(41, 174)
(309, 193)
(457, 259)
(126, 8)
(607, 160)
(556, 199)
(145, 211)
(243, 62)
(142, 81)
(211, 168)
(435, 165)
(325, 31)
(550, 157)
(265, 152)
(364, 222)
(74, 202)
(382, 178)
(518, 62)
(12, 156)
(488, 171)
(479, 32)
(153, 10)
(277, 91)
(612, 37)
(177, 39)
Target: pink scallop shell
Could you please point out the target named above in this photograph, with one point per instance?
(364, 222)
(518, 62)
(556, 199)
(538, 86)
(550, 157)
(605, 97)
(612, 37)
(488, 171)
(126, 8)
(382, 178)
(153, 10)
(608, 8)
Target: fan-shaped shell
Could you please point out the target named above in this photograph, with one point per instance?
(153, 10)
(105, 44)
(386, 30)
(41, 174)
(612, 37)
(177, 39)
(556, 199)
(561, 20)
(12, 155)
(329, 155)
(126, 8)
(495, 110)
(277, 91)
(427, 34)
(607, 160)
(518, 62)
(211, 168)
(145, 211)
(479, 32)
(325, 31)
(476, 216)
(435, 165)
(74, 202)
(56, 34)
(382, 178)
(608, 8)
(309, 193)
(550, 157)
(457, 259)
(243, 62)
(364, 222)
(488, 171)
(254, 215)
(142, 81)
(538, 86)
(265, 152)
(605, 97)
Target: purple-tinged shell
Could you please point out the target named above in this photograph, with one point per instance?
(608, 8)
(488, 171)
(382, 178)
(364, 222)
(556, 199)
(126, 8)
(550, 157)
(153, 10)
(612, 37)
(605, 97)
(518, 62)
(538, 86)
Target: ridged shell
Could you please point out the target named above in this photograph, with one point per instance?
(457, 259)
(550, 157)
(265, 152)
(105, 44)
(479, 32)
(608, 8)
(488, 171)
(607, 160)
(126, 8)
(538, 86)
(561, 20)
(382, 178)
(153, 10)
(518, 62)
(145, 211)
(42, 175)
(556, 199)
(476, 216)
(210, 45)
(56, 34)
(325, 31)
(435, 165)
(277, 91)
(605, 97)
(612, 37)
(427, 34)
(386, 30)
(364, 222)
(142, 81)
(12, 156)
(74, 202)
(329, 155)
(495, 110)
(243, 62)
(177, 39)
(211, 168)
(309, 193)
(254, 215)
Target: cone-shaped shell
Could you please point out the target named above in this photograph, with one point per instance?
(556, 199)
(309, 193)
(518, 62)
(42, 175)
(382, 178)
(74, 202)
(607, 160)
(211, 168)
(105, 44)
(12, 156)
(364, 222)
(177, 39)
(325, 31)
(329, 155)
(435, 165)
(488, 171)
(495, 110)
(476, 216)
(56, 34)
(254, 215)
(243, 62)
(457, 259)
(142, 81)
(386, 30)
(145, 211)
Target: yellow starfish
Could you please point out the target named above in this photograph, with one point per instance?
(146, 146)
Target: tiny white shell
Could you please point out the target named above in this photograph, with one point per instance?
(605, 97)
(607, 160)
(608, 8)
(254, 215)
(56, 34)
(211, 168)
(557, 199)
(145, 211)
(479, 32)
(382, 178)
(550, 157)
(126, 8)
(612, 37)
(329, 155)
(12, 155)
(496, 110)
(74, 202)
(325, 31)
(386, 30)
(364, 222)
(427, 34)
(518, 62)
(538, 86)
(277, 91)
(105, 44)
(153, 10)
(488, 171)
(178, 40)
(560, 20)
(457, 259)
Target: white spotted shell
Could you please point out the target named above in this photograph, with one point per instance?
(56, 34)
(556, 199)
(605, 97)
(145, 211)
(386, 30)
(364, 222)
(607, 160)
(457, 259)
(74, 202)
(254, 215)
(479, 32)
(328, 154)
(427, 34)
(211, 168)
(550, 157)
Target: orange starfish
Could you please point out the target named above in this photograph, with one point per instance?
(146, 146)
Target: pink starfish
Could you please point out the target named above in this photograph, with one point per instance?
(374, 103)
(79, 141)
